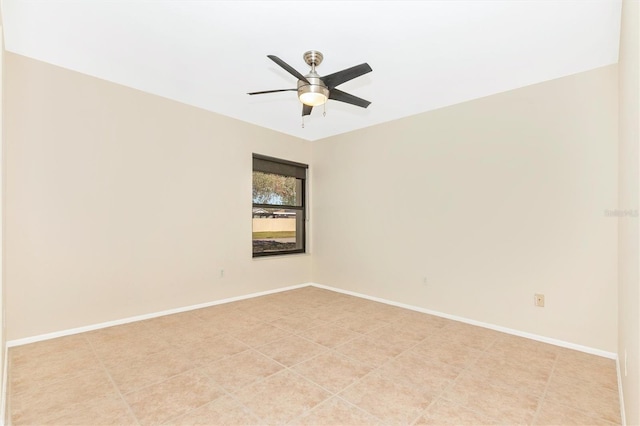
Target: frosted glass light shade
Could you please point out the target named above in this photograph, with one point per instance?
(313, 98)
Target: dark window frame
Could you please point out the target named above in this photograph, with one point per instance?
(266, 164)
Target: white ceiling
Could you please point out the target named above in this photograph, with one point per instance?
(424, 54)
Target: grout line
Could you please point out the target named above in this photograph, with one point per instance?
(543, 397)
(113, 383)
(194, 367)
(467, 368)
(69, 376)
(326, 350)
(233, 395)
(225, 393)
(438, 395)
(593, 416)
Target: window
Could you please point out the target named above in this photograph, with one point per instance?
(278, 206)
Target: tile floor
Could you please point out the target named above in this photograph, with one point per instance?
(309, 357)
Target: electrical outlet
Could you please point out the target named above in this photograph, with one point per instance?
(221, 273)
(424, 281)
(538, 300)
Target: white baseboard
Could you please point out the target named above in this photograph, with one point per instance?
(69, 332)
(47, 336)
(556, 342)
(623, 416)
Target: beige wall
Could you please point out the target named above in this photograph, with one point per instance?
(629, 293)
(491, 200)
(2, 298)
(120, 203)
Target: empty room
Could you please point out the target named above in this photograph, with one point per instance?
(320, 212)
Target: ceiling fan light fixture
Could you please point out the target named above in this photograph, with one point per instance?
(314, 92)
(312, 98)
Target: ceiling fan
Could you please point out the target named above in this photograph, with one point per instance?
(314, 90)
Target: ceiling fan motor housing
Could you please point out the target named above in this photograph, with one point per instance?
(316, 92)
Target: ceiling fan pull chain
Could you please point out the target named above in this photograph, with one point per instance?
(324, 109)
(303, 121)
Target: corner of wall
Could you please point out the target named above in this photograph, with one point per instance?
(3, 347)
(628, 203)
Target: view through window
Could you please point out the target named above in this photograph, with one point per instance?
(278, 206)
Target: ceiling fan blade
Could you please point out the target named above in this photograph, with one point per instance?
(337, 78)
(306, 109)
(272, 91)
(339, 95)
(288, 68)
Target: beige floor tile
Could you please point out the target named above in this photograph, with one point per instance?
(282, 397)
(192, 337)
(368, 351)
(237, 371)
(329, 335)
(446, 413)
(213, 313)
(288, 297)
(329, 313)
(451, 353)
(183, 319)
(291, 350)
(41, 405)
(43, 363)
(100, 412)
(125, 348)
(336, 412)
(266, 312)
(420, 322)
(390, 402)
(255, 303)
(396, 335)
(138, 373)
(526, 351)
(240, 322)
(591, 368)
(492, 400)
(193, 332)
(297, 323)
(386, 313)
(224, 411)
(229, 319)
(332, 371)
(530, 378)
(554, 414)
(595, 401)
(417, 372)
(207, 351)
(360, 323)
(65, 346)
(261, 334)
(468, 335)
(162, 401)
(130, 331)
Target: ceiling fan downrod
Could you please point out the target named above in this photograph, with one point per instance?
(313, 58)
